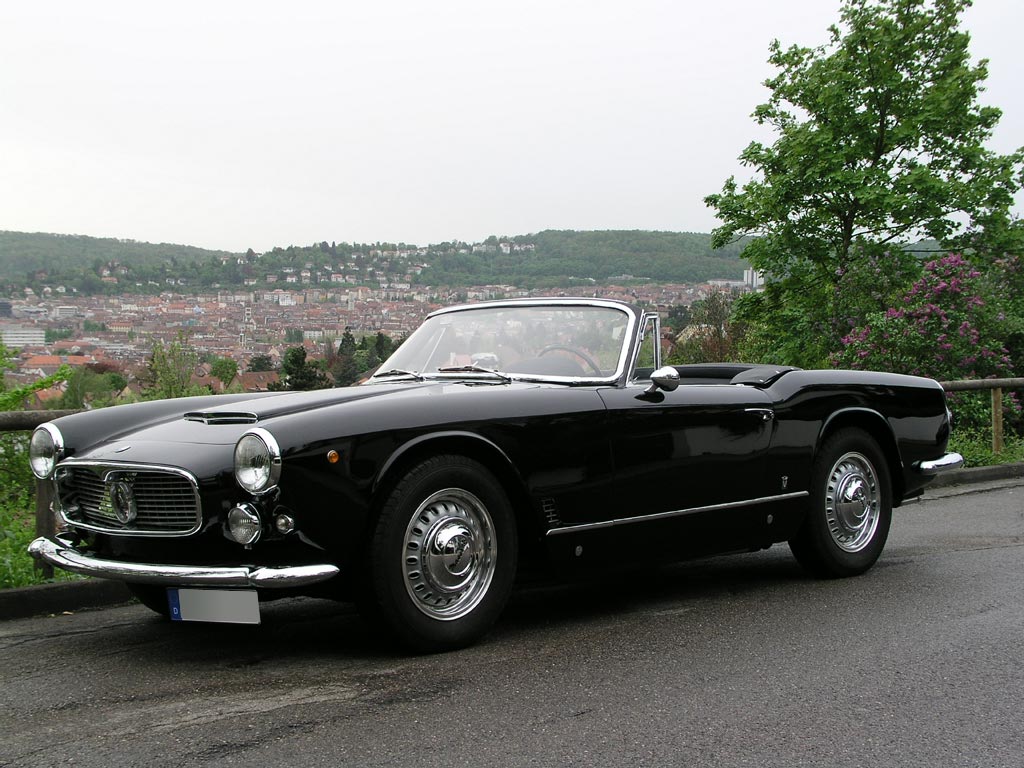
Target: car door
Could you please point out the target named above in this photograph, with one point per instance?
(700, 446)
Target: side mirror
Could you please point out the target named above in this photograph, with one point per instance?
(666, 378)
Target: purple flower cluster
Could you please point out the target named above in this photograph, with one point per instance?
(944, 328)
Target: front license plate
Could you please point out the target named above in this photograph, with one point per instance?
(228, 606)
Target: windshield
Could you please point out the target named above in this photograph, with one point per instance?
(523, 341)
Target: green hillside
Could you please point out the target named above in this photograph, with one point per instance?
(23, 252)
(92, 265)
(682, 257)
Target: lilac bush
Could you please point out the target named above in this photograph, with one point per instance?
(945, 327)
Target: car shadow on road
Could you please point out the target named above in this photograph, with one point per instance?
(307, 628)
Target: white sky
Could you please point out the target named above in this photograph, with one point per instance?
(254, 124)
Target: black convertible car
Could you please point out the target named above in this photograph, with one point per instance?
(500, 436)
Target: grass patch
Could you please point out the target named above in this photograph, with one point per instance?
(17, 529)
(975, 445)
(18, 516)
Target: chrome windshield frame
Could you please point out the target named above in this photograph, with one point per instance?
(626, 353)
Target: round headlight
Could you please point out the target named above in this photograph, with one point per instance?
(44, 450)
(257, 461)
(244, 524)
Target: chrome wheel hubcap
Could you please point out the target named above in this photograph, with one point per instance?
(852, 502)
(449, 554)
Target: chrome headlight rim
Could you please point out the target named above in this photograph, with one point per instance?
(57, 445)
(273, 453)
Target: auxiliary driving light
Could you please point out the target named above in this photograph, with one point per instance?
(244, 524)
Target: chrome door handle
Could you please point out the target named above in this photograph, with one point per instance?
(766, 414)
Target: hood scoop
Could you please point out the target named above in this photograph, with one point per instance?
(222, 417)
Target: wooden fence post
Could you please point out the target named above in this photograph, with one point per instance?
(44, 521)
(997, 420)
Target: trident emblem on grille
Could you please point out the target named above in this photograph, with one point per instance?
(122, 501)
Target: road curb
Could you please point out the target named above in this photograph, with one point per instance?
(65, 596)
(44, 599)
(977, 475)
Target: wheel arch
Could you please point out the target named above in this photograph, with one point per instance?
(475, 447)
(878, 428)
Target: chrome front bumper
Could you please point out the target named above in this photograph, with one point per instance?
(60, 553)
(943, 464)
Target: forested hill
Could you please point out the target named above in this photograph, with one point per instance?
(22, 252)
(549, 258)
(683, 257)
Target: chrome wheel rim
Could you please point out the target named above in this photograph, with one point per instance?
(852, 502)
(449, 554)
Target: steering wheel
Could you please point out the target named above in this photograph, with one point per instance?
(572, 350)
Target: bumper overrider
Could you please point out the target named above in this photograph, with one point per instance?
(61, 553)
(943, 464)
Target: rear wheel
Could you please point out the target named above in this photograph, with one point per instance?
(850, 507)
(443, 555)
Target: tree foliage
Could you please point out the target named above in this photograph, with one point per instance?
(169, 369)
(297, 373)
(261, 362)
(224, 369)
(710, 333)
(13, 398)
(880, 141)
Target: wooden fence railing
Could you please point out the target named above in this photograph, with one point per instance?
(996, 386)
(15, 421)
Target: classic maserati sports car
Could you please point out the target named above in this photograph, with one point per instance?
(501, 438)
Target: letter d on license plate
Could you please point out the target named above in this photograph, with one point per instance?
(229, 606)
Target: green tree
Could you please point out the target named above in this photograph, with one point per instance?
(297, 373)
(710, 336)
(293, 335)
(880, 142)
(347, 345)
(261, 363)
(225, 369)
(345, 371)
(169, 369)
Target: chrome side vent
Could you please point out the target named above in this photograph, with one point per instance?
(550, 510)
(222, 417)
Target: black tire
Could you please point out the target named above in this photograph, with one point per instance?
(153, 596)
(454, 510)
(849, 510)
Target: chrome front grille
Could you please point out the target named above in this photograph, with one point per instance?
(129, 499)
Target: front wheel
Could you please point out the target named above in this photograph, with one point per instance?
(443, 555)
(850, 507)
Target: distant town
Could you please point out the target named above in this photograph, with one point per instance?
(312, 305)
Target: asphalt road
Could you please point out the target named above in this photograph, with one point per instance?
(730, 661)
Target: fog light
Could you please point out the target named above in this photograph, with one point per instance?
(244, 524)
(284, 524)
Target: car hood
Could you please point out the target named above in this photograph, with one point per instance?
(203, 432)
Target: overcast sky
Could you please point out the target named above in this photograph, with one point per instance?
(255, 124)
